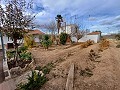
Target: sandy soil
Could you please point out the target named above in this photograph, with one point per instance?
(105, 73)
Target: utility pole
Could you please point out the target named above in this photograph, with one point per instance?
(2, 43)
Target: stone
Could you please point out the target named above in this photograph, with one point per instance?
(15, 71)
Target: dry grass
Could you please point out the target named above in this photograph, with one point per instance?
(104, 44)
(87, 43)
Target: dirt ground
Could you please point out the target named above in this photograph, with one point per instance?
(106, 73)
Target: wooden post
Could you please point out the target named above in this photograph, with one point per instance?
(70, 79)
(2, 43)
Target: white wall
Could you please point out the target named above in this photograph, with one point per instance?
(95, 38)
(36, 38)
(68, 29)
(6, 40)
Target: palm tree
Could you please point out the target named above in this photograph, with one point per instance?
(59, 19)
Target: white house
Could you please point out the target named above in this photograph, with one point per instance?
(95, 36)
(7, 39)
(36, 34)
(69, 29)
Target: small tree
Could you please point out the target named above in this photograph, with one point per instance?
(46, 41)
(63, 38)
(14, 21)
(29, 41)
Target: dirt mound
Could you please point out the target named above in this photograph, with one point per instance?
(105, 73)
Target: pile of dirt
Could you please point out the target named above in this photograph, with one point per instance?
(106, 72)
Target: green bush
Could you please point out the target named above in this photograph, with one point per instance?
(10, 54)
(35, 82)
(63, 38)
(22, 49)
(46, 42)
(118, 46)
(46, 69)
(26, 56)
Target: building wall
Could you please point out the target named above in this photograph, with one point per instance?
(6, 40)
(36, 38)
(68, 29)
(95, 38)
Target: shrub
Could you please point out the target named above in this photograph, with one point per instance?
(104, 44)
(38, 68)
(63, 38)
(117, 37)
(35, 82)
(26, 56)
(46, 42)
(93, 56)
(87, 43)
(10, 54)
(118, 46)
(29, 41)
(46, 69)
(86, 72)
(22, 49)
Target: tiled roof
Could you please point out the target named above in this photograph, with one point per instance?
(33, 32)
(94, 33)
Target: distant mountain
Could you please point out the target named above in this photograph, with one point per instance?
(111, 36)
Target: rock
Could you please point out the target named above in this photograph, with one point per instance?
(42, 74)
(15, 71)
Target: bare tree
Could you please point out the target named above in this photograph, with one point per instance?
(51, 26)
(14, 20)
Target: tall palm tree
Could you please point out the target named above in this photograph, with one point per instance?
(59, 19)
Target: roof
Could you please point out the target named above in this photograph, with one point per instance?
(94, 33)
(34, 32)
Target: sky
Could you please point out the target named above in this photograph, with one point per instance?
(101, 15)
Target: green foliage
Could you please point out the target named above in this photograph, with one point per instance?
(46, 69)
(22, 49)
(117, 37)
(10, 54)
(35, 82)
(46, 37)
(38, 68)
(46, 42)
(63, 38)
(26, 56)
(29, 41)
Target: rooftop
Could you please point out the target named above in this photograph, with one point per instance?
(94, 33)
(34, 32)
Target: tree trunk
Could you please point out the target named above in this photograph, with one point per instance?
(16, 51)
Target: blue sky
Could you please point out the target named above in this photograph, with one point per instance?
(101, 15)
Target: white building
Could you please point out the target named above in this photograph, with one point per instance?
(95, 36)
(7, 39)
(71, 30)
(36, 35)
(67, 29)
